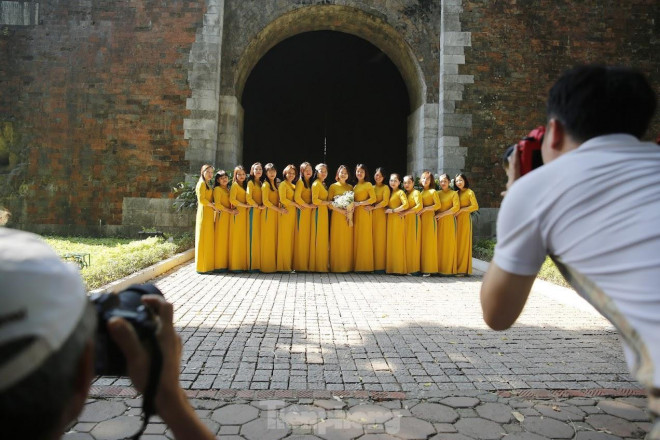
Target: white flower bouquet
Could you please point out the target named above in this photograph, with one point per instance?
(346, 201)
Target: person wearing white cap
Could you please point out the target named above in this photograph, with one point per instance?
(47, 329)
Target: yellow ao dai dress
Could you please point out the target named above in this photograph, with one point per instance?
(429, 258)
(363, 240)
(269, 216)
(379, 226)
(204, 234)
(222, 221)
(238, 230)
(303, 229)
(467, 199)
(413, 233)
(447, 232)
(341, 234)
(253, 197)
(319, 253)
(396, 235)
(285, 228)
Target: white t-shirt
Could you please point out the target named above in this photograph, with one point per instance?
(597, 208)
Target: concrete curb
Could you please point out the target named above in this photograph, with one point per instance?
(479, 267)
(148, 273)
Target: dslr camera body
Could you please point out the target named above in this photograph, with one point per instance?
(530, 150)
(127, 304)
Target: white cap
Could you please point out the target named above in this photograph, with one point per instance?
(40, 296)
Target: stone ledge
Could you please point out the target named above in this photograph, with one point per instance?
(148, 273)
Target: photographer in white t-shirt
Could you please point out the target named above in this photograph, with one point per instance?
(594, 207)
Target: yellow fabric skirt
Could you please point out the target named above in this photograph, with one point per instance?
(413, 243)
(396, 245)
(237, 241)
(204, 240)
(319, 252)
(447, 245)
(363, 241)
(464, 243)
(303, 233)
(222, 220)
(286, 225)
(269, 240)
(429, 250)
(254, 239)
(379, 231)
(341, 244)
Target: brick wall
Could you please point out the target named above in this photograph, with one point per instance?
(519, 48)
(95, 95)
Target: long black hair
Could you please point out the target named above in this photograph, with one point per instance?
(269, 166)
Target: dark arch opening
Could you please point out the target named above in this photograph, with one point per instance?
(326, 96)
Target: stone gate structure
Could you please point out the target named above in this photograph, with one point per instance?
(105, 105)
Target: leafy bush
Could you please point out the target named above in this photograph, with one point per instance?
(115, 258)
(485, 249)
(186, 198)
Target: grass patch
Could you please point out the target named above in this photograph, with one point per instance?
(484, 250)
(115, 258)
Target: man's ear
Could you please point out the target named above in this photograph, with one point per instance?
(557, 133)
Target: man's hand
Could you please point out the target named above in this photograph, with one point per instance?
(137, 358)
(513, 171)
(171, 402)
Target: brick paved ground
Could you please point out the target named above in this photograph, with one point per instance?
(391, 342)
(379, 333)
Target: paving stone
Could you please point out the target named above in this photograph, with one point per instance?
(369, 414)
(409, 428)
(335, 429)
(593, 435)
(525, 436)
(118, 427)
(612, 424)
(77, 436)
(434, 412)
(451, 437)
(497, 412)
(548, 427)
(235, 414)
(444, 427)
(378, 437)
(581, 401)
(302, 414)
(101, 410)
(479, 428)
(623, 410)
(639, 402)
(461, 402)
(213, 426)
(265, 428)
(303, 437)
(83, 427)
(564, 413)
(329, 403)
(269, 405)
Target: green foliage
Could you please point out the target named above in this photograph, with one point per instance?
(549, 272)
(484, 250)
(115, 258)
(186, 197)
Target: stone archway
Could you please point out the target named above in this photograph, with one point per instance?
(333, 18)
(326, 96)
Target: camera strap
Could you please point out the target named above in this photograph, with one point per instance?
(149, 395)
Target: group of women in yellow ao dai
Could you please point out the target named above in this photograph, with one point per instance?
(264, 224)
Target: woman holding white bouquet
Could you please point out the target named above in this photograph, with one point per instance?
(341, 223)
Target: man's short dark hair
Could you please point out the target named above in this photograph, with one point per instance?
(596, 100)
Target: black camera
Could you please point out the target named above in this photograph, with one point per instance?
(127, 304)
